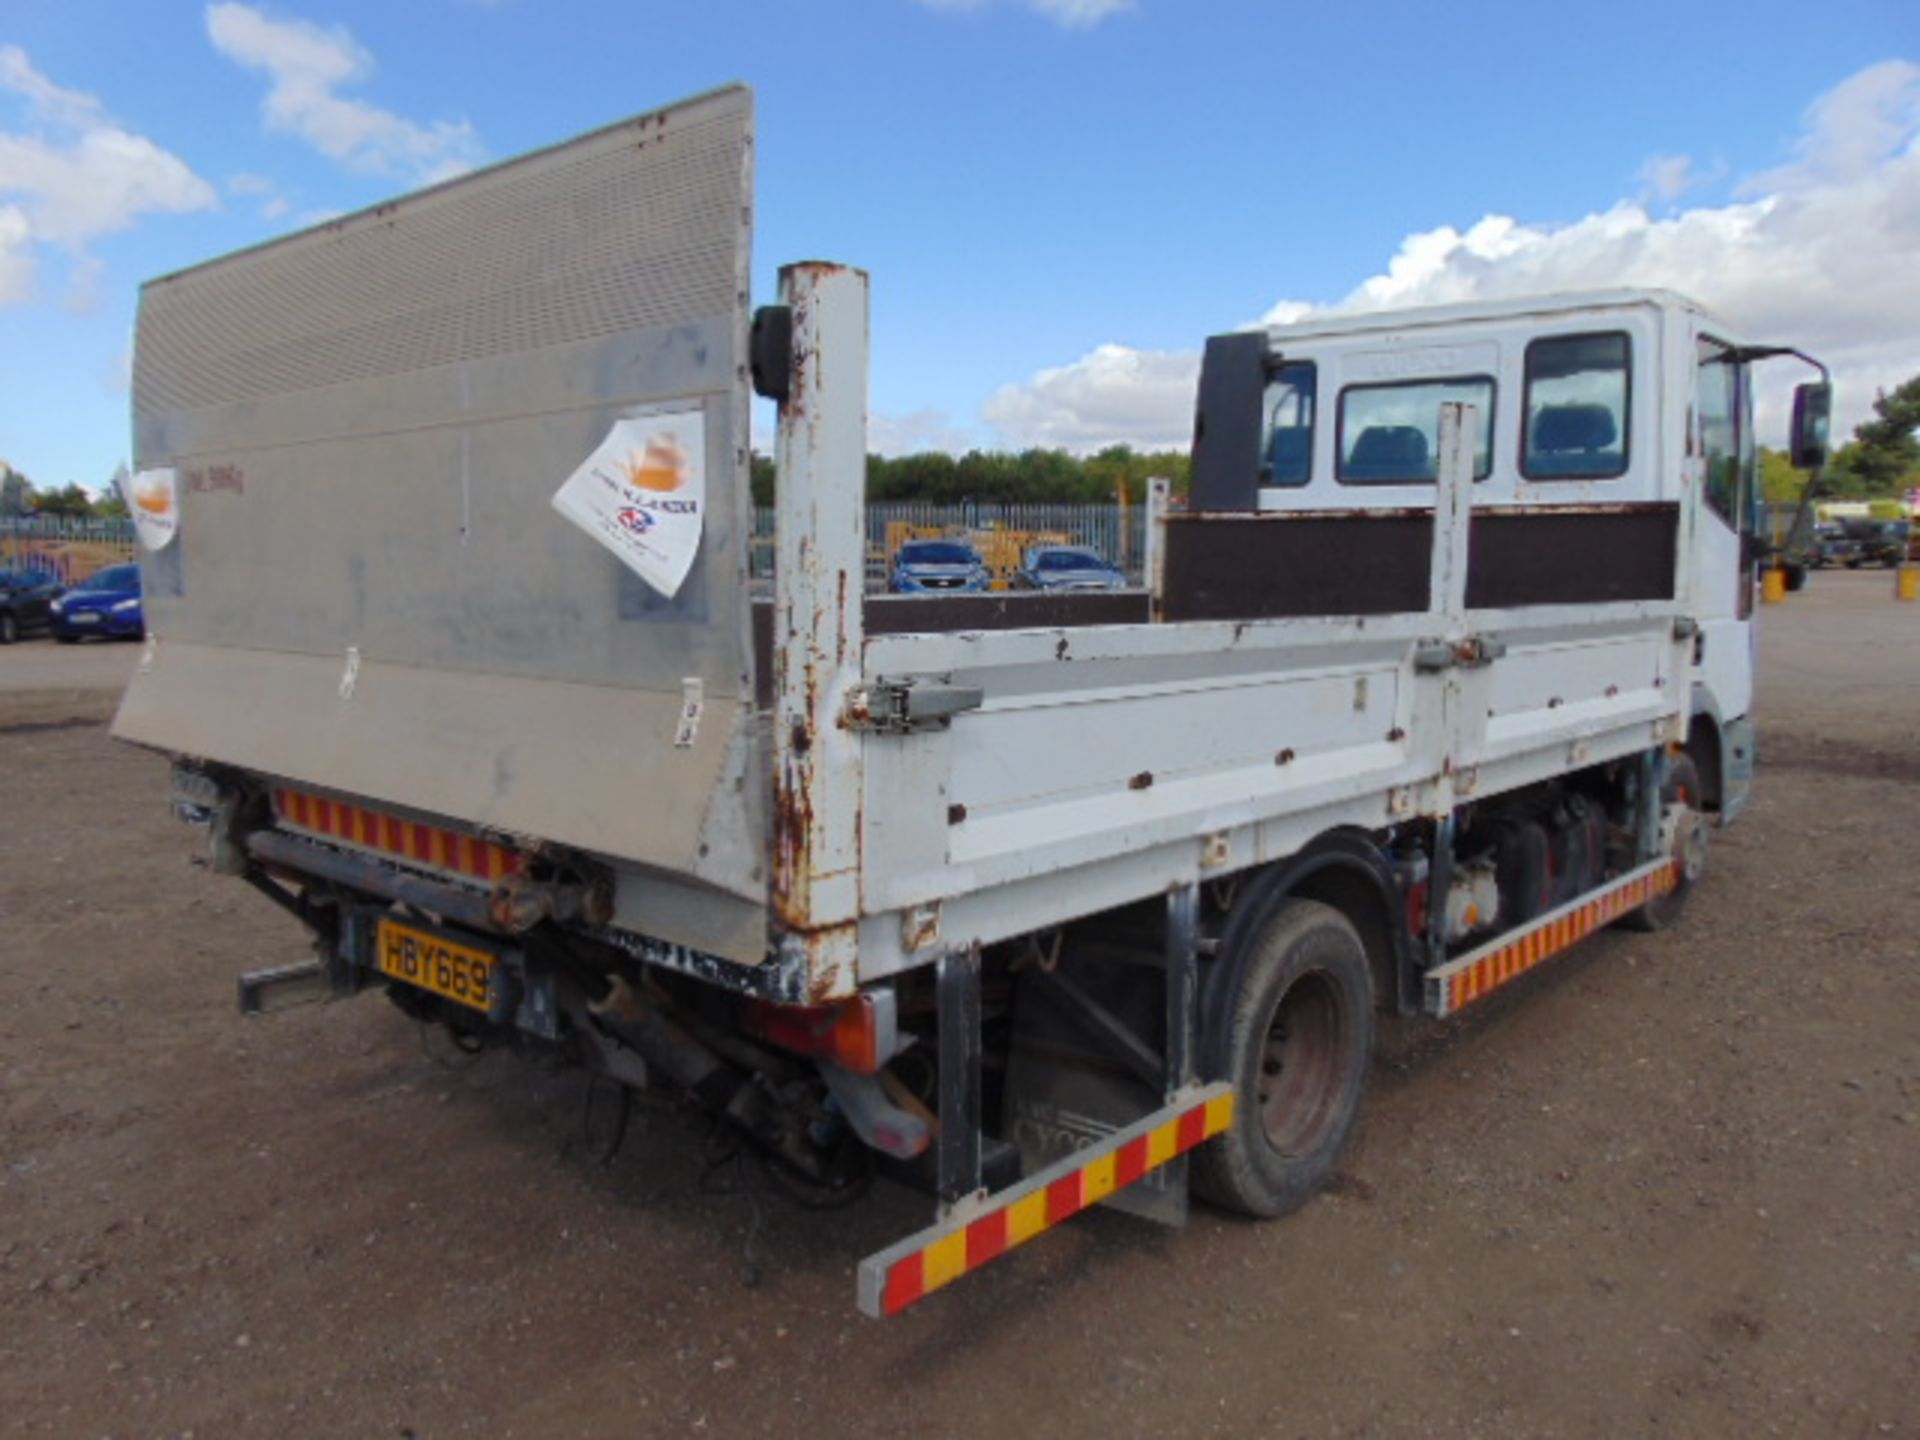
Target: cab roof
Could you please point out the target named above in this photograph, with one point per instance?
(1423, 316)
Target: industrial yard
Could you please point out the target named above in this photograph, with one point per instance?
(1664, 1186)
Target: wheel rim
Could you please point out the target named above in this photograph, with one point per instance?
(1301, 1063)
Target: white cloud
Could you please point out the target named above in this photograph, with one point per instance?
(1287, 312)
(1077, 13)
(68, 108)
(248, 186)
(1823, 253)
(1668, 177)
(72, 175)
(1852, 128)
(16, 255)
(1069, 14)
(917, 433)
(1114, 395)
(306, 65)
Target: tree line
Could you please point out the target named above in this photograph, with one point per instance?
(999, 476)
(19, 496)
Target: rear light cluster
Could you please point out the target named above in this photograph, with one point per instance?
(860, 1034)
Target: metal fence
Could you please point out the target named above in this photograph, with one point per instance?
(68, 549)
(71, 550)
(1002, 533)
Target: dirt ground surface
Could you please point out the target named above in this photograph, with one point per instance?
(42, 681)
(1666, 1187)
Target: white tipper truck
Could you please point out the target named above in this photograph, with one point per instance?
(1034, 900)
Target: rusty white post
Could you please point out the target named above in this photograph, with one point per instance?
(1453, 512)
(1452, 517)
(819, 581)
(1159, 497)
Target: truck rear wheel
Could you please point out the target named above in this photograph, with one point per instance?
(1299, 1036)
(1682, 788)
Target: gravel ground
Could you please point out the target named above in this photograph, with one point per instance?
(1665, 1187)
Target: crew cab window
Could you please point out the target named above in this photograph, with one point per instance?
(1716, 387)
(1288, 448)
(1576, 408)
(1390, 434)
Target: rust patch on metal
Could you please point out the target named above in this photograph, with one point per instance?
(1285, 757)
(1396, 734)
(956, 814)
(1142, 781)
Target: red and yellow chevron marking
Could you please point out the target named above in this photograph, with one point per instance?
(1481, 972)
(916, 1267)
(404, 839)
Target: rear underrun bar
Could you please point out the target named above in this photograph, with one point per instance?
(975, 1234)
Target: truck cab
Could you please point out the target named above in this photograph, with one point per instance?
(1614, 460)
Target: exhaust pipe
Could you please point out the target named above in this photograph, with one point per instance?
(721, 1088)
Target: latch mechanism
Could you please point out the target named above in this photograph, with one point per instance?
(908, 705)
(1431, 656)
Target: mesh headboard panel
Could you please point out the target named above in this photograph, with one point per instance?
(557, 247)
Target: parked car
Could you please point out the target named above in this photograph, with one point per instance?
(106, 603)
(1876, 542)
(1831, 545)
(26, 601)
(937, 566)
(1066, 567)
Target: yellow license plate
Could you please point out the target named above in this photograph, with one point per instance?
(459, 972)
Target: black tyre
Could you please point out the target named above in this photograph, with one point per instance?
(9, 628)
(1682, 788)
(1796, 577)
(1298, 1039)
(68, 639)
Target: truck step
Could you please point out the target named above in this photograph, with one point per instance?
(281, 987)
(1480, 972)
(988, 1228)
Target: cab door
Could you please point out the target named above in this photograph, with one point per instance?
(1721, 451)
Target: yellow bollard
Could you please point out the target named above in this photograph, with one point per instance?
(1906, 583)
(1773, 585)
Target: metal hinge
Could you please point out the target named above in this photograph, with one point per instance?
(1430, 656)
(909, 705)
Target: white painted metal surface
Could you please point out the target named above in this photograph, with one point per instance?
(819, 576)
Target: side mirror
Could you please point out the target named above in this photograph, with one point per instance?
(1812, 409)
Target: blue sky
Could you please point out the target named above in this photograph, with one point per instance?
(1057, 199)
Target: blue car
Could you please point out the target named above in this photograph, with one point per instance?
(937, 567)
(105, 603)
